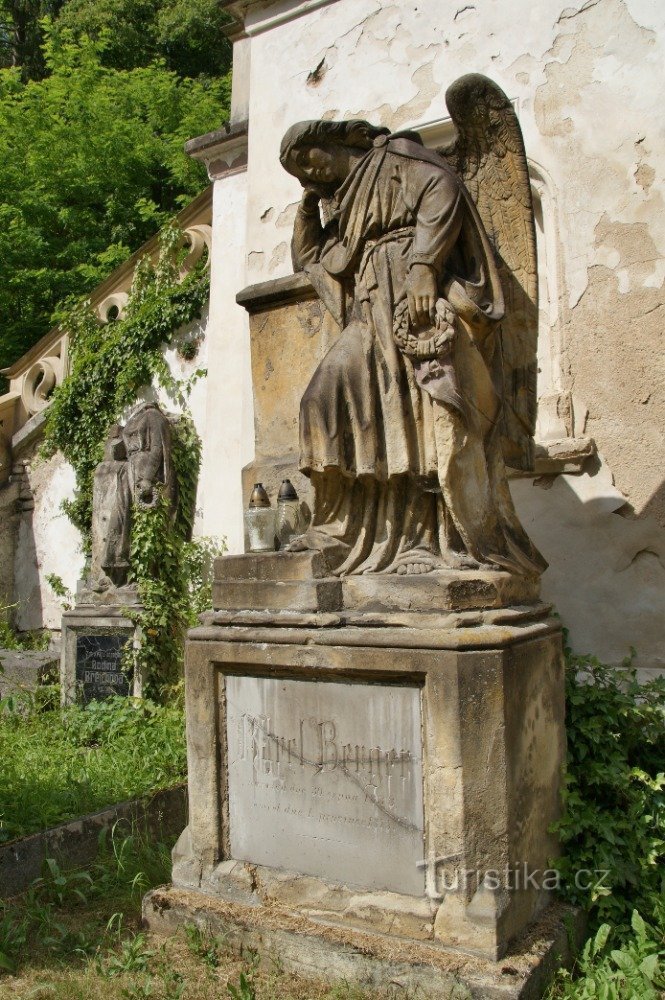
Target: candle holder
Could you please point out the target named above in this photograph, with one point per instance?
(260, 521)
(288, 513)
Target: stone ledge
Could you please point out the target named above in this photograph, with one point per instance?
(372, 960)
(462, 632)
(77, 843)
(275, 293)
(213, 142)
(31, 430)
(567, 455)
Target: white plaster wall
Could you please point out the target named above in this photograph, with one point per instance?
(46, 543)
(229, 441)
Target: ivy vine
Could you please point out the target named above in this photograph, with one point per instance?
(110, 366)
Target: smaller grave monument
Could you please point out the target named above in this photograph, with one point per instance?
(136, 470)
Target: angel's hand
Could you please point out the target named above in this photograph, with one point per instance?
(309, 201)
(421, 295)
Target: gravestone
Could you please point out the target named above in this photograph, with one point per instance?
(99, 672)
(94, 637)
(375, 716)
(137, 469)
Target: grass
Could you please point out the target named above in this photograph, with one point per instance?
(60, 764)
(77, 935)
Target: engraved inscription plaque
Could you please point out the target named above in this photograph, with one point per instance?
(326, 779)
(98, 666)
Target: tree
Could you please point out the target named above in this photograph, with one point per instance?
(187, 34)
(91, 165)
(21, 34)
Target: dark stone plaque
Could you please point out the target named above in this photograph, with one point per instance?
(99, 672)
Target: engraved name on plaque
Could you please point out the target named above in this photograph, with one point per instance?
(325, 779)
(99, 672)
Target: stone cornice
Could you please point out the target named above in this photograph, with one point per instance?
(223, 151)
(253, 17)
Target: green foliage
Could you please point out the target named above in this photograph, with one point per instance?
(612, 830)
(91, 165)
(632, 971)
(204, 945)
(11, 639)
(614, 792)
(174, 578)
(62, 888)
(129, 863)
(57, 585)
(244, 990)
(22, 36)
(187, 34)
(109, 367)
(57, 766)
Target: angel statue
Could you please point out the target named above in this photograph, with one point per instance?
(426, 260)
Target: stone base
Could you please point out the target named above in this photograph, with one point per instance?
(396, 772)
(108, 623)
(315, 950)
(299, 581)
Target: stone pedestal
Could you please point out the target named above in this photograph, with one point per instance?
(94, 635)
(386, 772)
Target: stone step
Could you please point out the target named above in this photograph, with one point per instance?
(441, 591)
(277, 566)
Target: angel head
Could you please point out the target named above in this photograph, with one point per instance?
(321, 153)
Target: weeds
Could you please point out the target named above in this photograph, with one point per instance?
(59, 764)
(204, 945)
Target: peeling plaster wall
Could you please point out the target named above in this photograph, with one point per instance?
(587, 79)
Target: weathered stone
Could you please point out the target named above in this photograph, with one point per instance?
(371, 960)
(310, 595)
(137, 469)
(25, 670)
(248, 691)
(326, 779)
(90, 623)
(77, 843)
(282, 566)
(299, 581)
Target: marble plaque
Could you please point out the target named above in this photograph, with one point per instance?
(325, 779)
(99, 673)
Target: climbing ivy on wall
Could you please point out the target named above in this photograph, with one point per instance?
(110, 364)
(109, 367)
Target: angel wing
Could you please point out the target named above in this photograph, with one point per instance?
(488, 154)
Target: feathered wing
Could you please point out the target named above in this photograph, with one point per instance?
(488, 153)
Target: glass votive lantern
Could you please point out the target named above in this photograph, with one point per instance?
(260, 521)
(288, 513)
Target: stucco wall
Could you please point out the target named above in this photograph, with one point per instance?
(587, 82)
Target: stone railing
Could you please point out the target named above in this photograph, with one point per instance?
(34, 376)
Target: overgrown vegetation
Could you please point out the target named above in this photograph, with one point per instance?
(38, 639)
(110, 366)
(60, 764)
(76, 935)
(613, 828)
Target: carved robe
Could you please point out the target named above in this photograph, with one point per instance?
(397, 472)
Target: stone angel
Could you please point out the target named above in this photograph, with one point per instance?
(426, 260)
